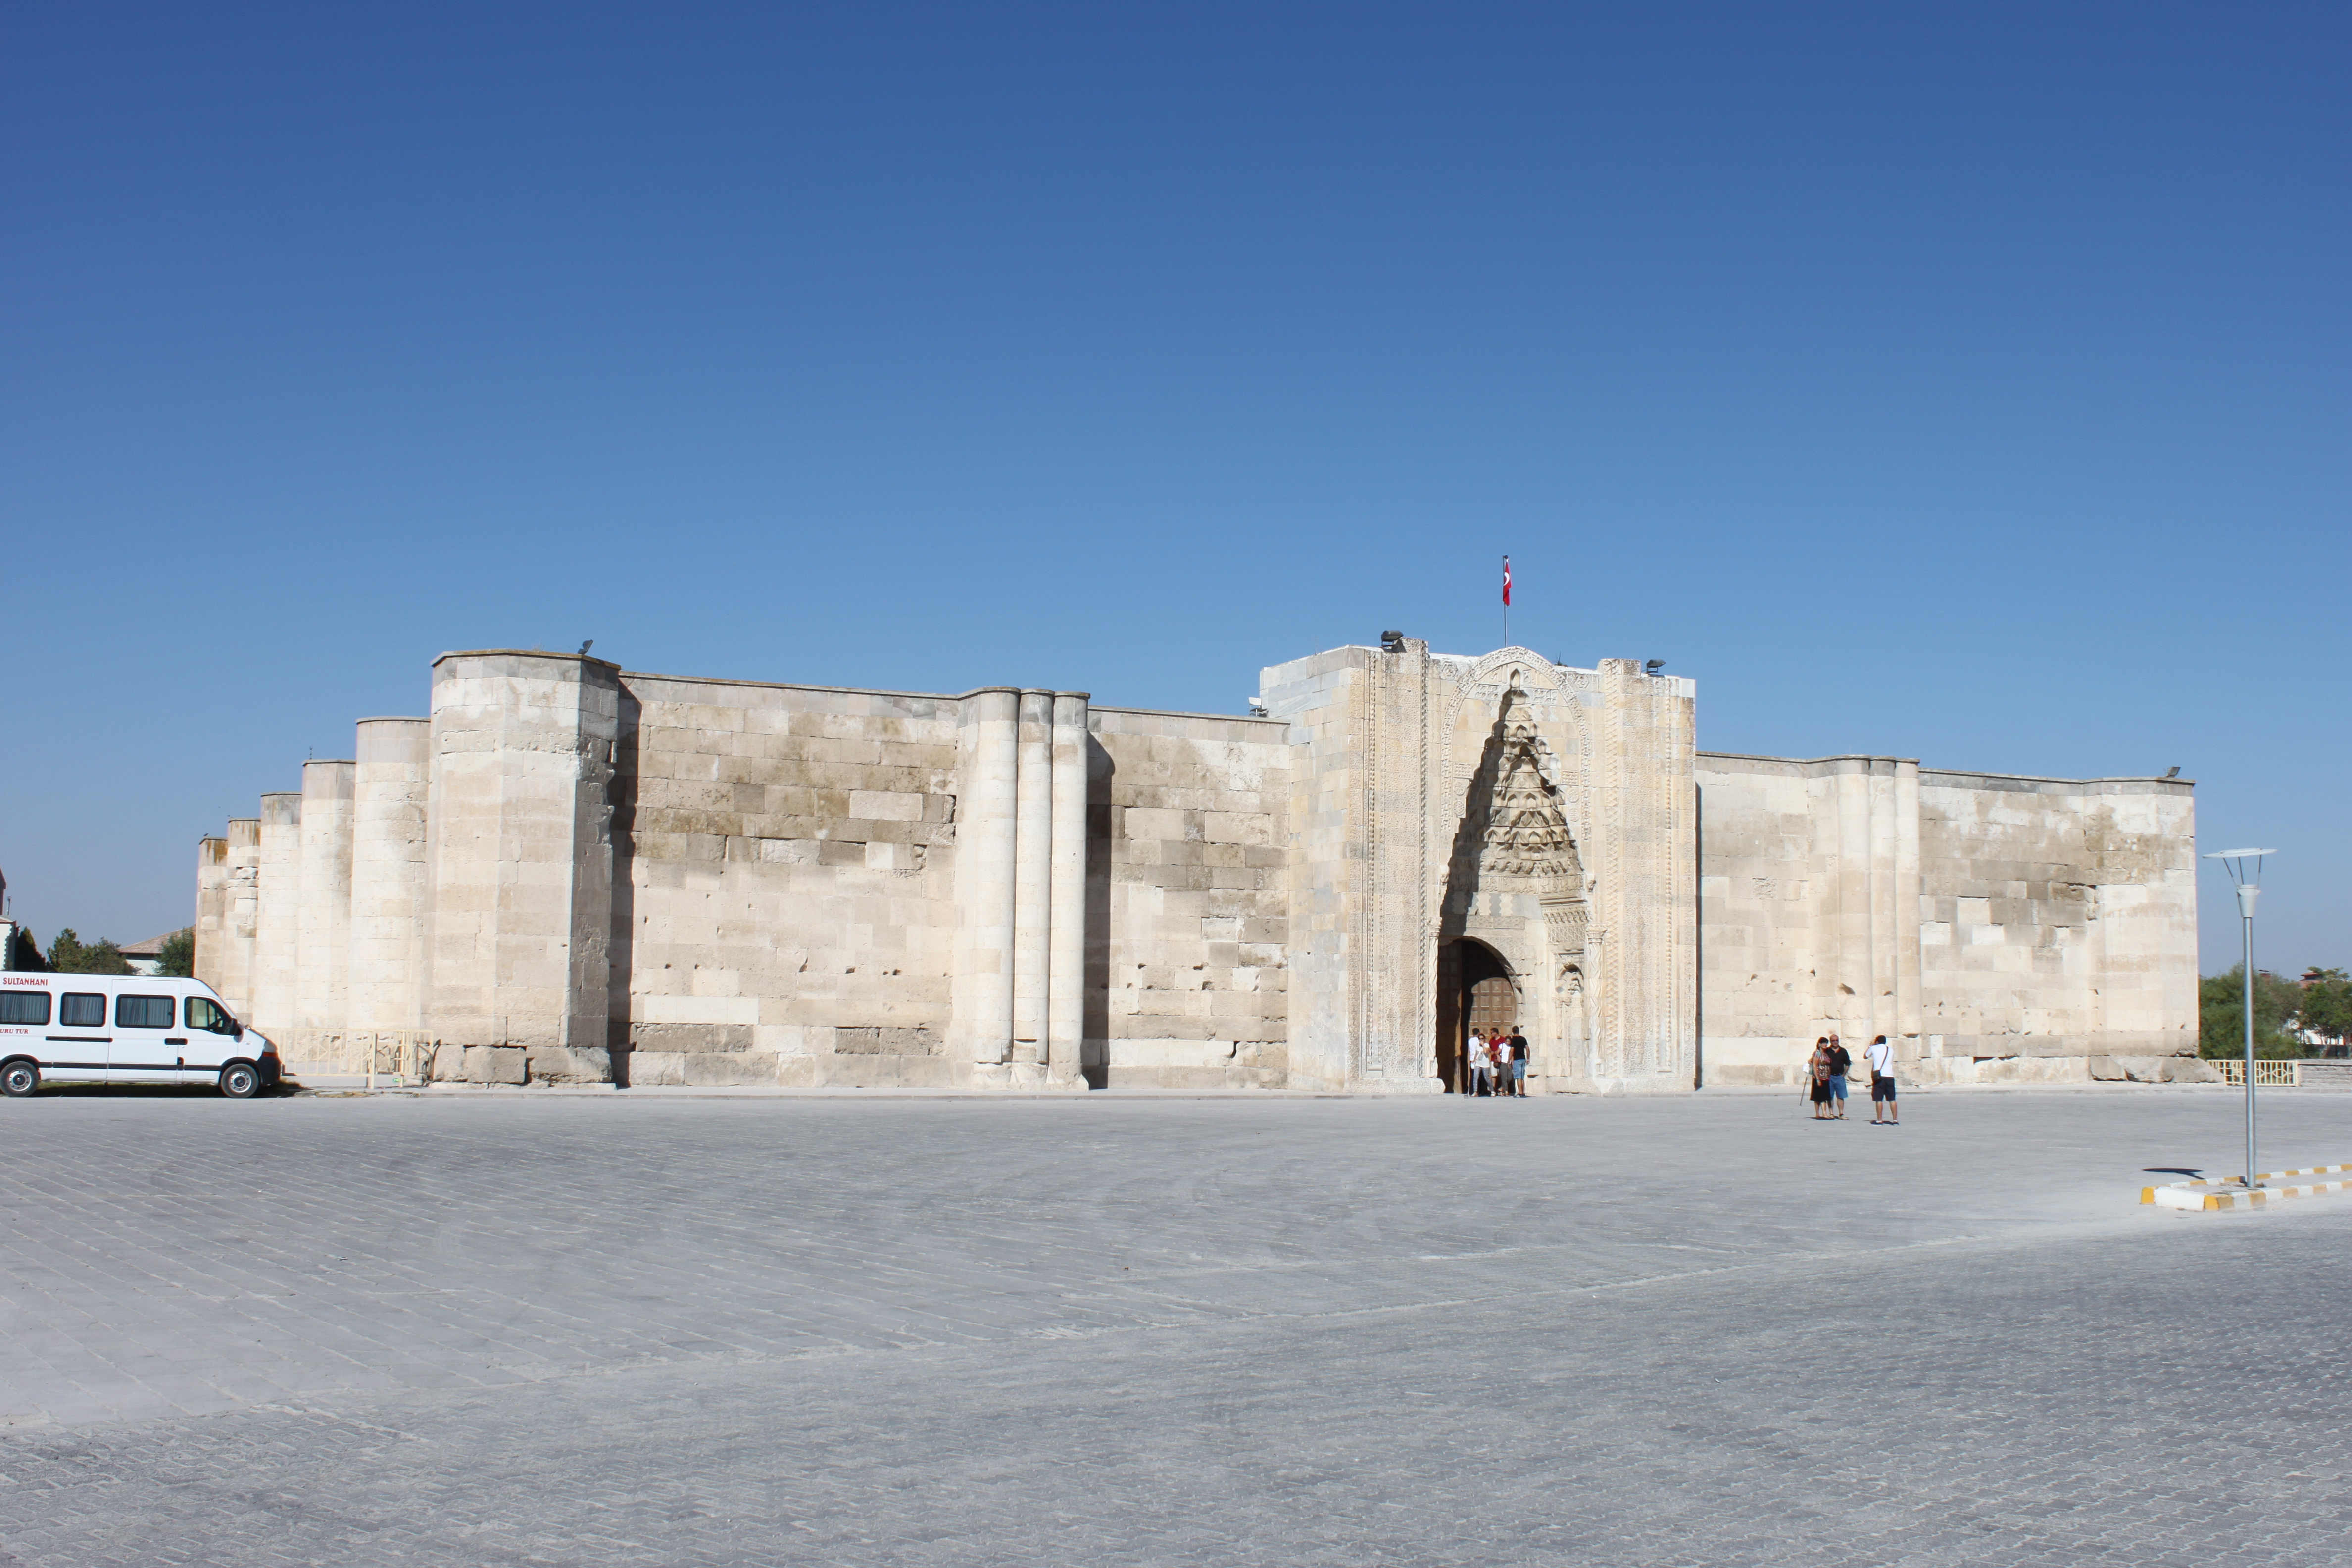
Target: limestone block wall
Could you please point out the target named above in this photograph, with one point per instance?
(323, 914)
(1644, 871)
(1395, 755)
(212, 889)
(521, 910)
(2059, 917)
(788, 911)
(390, 867)
(1992, 927)
(1322, 704)
(855, 887)
(231, 970)
(574, 873)
(1811, 872)
(1190, 836)
(278, 912)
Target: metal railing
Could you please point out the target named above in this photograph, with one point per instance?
(2267, 1074)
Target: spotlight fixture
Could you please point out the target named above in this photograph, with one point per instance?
(586, 646)
(1392, 642)
(1655, 665)
(2173, 771)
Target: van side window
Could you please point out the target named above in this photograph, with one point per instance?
(81, 1010)
(24, 1007)
(203, 1013)
(142, 1012)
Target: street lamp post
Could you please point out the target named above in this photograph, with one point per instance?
(2245, 869)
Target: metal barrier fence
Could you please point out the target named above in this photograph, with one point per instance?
(2267, 1074)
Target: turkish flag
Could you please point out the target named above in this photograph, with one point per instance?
(1506, 581)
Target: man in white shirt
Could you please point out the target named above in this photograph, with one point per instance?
(1475, 1055)
(1881, 1079)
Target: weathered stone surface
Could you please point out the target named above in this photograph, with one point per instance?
(851, 1041)
(554, 1064)
(679, 881)
(1962, 915)
(702, 1037)
(495, 1063)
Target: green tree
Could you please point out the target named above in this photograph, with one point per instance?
(2326, 1008)
(71, 955)
(179, 954)
(2222, 1020)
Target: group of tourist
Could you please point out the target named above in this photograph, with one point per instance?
(1498, 1064)
(1826, 1074)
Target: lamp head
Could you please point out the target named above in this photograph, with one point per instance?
(2245, 869)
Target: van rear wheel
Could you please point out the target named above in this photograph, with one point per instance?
(240, 1081)
(19, 1078)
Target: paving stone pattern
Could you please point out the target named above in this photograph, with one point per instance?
(1186, 1331)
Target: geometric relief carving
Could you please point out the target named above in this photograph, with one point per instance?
(1527, 835)
(1527, 832)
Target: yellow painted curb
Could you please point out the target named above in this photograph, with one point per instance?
(2147, 1194)
(2189, 1197)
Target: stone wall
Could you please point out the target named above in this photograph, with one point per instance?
(573, 873)
(520, 926)
(789, 911)
(1190, 828)
(1992, 927)
(1542, 812)
(390, 872)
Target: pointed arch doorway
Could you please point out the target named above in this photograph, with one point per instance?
(1475, 990)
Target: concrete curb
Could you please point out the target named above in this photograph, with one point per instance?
(2201, 1197)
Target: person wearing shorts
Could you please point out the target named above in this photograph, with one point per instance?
(1840, 1064)
(1518, 1065)
(1882, 1080)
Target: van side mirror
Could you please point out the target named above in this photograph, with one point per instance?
(236, 1030)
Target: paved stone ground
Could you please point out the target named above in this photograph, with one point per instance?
(606, 1330)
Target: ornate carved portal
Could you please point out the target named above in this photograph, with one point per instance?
(1515, 885)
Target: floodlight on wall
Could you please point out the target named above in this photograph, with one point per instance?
(1392, 642)
(2173, 771)
(1655, 665)
(2245, 869)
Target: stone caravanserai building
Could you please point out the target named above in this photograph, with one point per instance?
(571, 872)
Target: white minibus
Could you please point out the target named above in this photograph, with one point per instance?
(125, 1028)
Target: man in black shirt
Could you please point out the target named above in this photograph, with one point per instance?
(1518, 1068)
(1841, 1063)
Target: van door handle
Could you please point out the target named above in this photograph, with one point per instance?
(170, 1042)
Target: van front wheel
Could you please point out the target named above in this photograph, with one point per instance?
(240, 1081)
(19, 1078)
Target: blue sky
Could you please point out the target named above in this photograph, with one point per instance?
(1966, 384)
